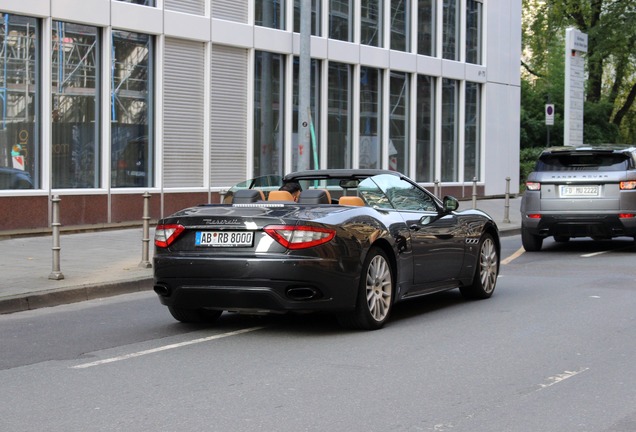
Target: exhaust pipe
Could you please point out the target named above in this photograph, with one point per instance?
(303, 293)
(162, 290)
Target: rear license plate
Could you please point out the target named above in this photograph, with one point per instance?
(224, 238)
(580, 191)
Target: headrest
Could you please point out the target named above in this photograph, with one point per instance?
(351, 201)
(280, 196)
(245, 196)
(315, 196)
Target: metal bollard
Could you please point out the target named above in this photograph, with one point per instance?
(436, 188)
(506, 218)
(474, 192)
(56, 274)
(145, 241)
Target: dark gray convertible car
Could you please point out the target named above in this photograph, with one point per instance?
(354, 243)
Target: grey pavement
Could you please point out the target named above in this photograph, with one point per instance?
(107, 262)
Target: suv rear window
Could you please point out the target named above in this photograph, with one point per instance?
(583, 162)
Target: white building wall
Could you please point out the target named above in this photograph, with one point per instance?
(500, 72)
(503, 97)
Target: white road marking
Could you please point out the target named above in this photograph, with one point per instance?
(561, 377)
(514, 256)
(164, 348)
(593, 254)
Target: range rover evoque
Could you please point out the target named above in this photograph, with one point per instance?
(587, 191)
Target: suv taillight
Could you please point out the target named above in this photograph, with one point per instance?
(533, 186)
(165, 235)
(628, 185)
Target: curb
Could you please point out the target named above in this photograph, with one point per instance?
(21, 303)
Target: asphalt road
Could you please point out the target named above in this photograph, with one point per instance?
(552, 350)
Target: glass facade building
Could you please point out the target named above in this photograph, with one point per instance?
(186, 98)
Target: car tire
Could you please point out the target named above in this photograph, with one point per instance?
(530, 242)
(194, 315)
(375, 293)
(486, 270)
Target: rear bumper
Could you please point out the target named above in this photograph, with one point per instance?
(580, 225)
(256, 285)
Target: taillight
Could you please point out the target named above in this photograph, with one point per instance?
(299, 237)
(533, 186)
(534, 216)
(165, 235)
(628, 185)
(626, 215)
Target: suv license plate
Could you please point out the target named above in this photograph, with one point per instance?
(579, 191)
(224, 238)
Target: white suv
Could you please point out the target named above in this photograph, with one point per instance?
(580, 192)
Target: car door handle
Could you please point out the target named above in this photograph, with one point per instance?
(414, 227)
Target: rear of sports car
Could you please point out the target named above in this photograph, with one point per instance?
(255, 259)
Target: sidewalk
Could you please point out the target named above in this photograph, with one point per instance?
(109, 262)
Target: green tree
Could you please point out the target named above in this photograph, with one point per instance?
(611, 61)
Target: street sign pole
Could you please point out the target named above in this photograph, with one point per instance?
(304, 82)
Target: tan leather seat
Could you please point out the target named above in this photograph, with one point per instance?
(280, 196)
(351, 201)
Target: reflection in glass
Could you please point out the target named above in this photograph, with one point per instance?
(268, 113)
(400, 17)
(399, 123)
(339, 116)
(472, 131)
(314, 141)
(450, 30)
(370, 117)
(141, 2)
(131, 110)
(75, 104)
(270, 13)
(425, 129)
(371, 19)
(341, 20)
(426, 27)
(450, 153)
(19, 102)
(315, 17)
(473, 31)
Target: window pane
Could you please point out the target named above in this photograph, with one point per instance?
(268, 113)
(400, 17)
(450, 97)
(472, 134)
(131, 110)
(399, 125)
(425, 170)
(19, 103)
(426, 27)
(370, 117)
(371, 22)
(339, 120)
(341, 20)
(473, 31)
(450, 30)
(315, 119)
(270, 13)
(75, 104)
(315, 17)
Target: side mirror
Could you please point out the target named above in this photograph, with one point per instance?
(450, 204)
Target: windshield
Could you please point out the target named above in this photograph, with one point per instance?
(583, 162)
